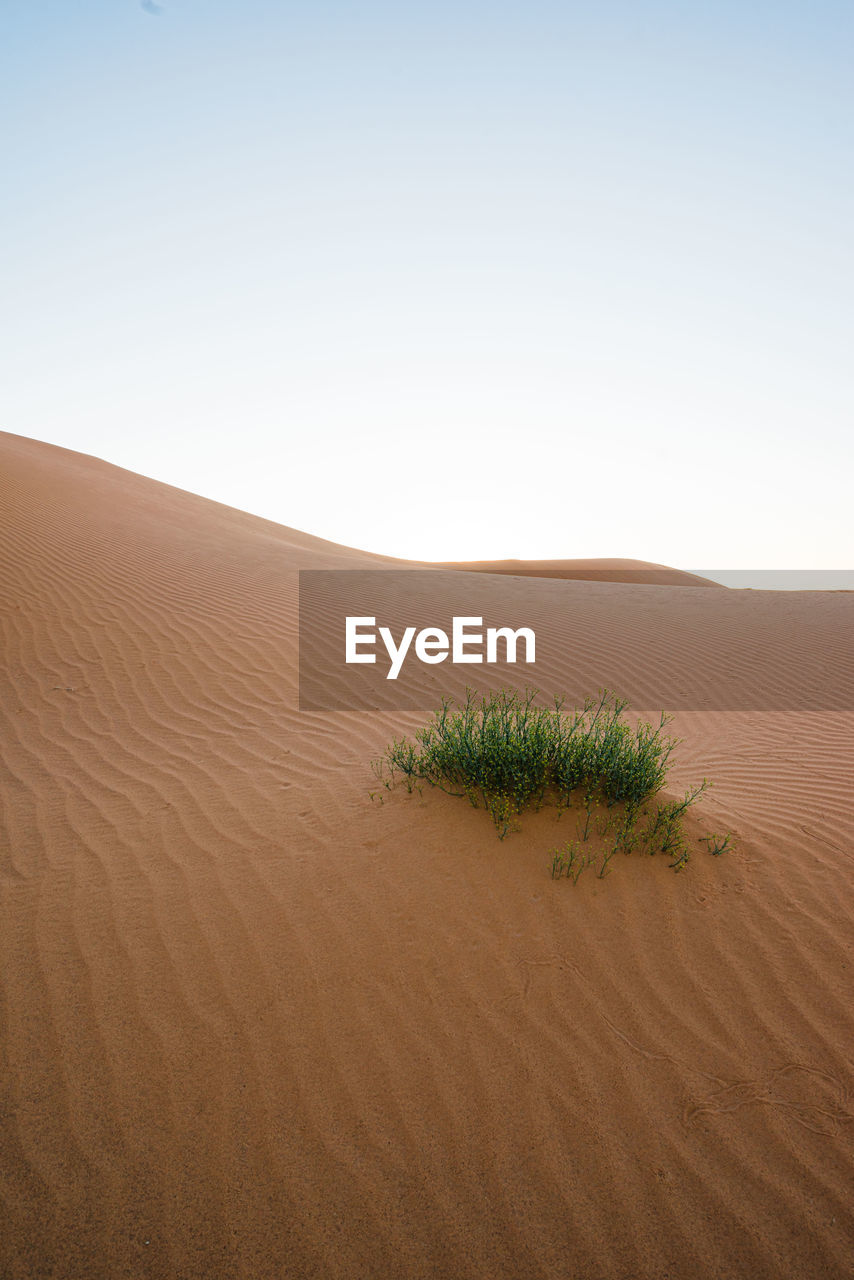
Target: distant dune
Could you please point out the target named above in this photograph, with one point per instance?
(255, 1025)
(637, 571)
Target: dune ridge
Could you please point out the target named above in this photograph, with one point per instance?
(254, 1024)
(595, 570)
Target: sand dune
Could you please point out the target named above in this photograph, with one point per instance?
(602, 570)
(257, 1025)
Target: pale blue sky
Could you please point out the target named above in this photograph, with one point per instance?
(448, 280)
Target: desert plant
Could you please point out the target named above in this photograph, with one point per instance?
(717, 844)
(505, 753)
(664, 830)
(569, 862)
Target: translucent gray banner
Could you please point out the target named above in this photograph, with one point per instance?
(402, 639)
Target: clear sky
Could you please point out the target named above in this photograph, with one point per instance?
(445, 280)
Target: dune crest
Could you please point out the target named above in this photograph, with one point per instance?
(600, 570)
(255, 1024)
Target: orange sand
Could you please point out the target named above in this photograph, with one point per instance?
(588, 571)
(255, 1025)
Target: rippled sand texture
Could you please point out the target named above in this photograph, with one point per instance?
(257, 1025)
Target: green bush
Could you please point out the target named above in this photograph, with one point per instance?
(507, 754)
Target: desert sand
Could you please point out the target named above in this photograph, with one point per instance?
(255, 1024)
(604, 570)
